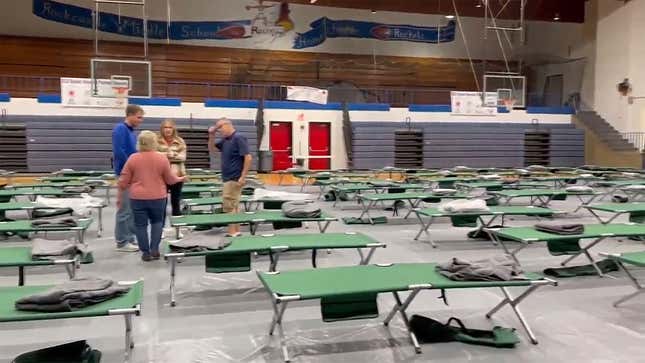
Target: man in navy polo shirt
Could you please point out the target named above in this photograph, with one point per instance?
(236, 161)
(124, 144)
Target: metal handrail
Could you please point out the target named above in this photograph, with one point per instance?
(198, 91)
(635, 138)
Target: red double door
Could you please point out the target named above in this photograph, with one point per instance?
(281, 144)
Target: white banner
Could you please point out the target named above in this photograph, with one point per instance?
(470, 103)
(77, 92)
(310, 94)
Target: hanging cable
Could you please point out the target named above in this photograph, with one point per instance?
(463, 36)
(168, 19)
(501, 46)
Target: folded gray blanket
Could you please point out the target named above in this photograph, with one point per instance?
(500, 268)
(70, 295)
(79, 189)
(55, 222)
(200, 241)
(561, 228)
(301, 209)
(42, 248)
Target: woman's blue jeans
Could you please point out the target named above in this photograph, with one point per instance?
(148, 212)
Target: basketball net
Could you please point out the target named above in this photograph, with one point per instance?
(508, 104)
(121, 95)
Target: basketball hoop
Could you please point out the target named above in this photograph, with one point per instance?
(508, 104)
(121, 95)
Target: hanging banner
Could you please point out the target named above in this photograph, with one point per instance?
(77, 92)
(324, 28)
(470, 103)
(260, 24)
(309, 94)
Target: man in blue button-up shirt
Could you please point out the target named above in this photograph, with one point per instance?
(124, 144)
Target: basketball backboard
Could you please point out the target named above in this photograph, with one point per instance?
(507, 87)
(137, 74)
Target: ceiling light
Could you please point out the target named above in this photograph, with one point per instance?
(556, 17)
(449, 16)
(373, 11)
(312, 1)
(479, 4)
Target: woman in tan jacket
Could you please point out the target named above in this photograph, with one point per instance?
(174, 147)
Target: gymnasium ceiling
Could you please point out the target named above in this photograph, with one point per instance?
(566, 10)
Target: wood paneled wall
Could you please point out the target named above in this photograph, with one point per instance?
(176, 66)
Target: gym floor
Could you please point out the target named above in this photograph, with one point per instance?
(225, 317)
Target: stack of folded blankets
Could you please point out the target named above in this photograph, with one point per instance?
(565, 229)
(56, 222)
(200, 241)
(464, 206)
(72, 295)
(43, 249)
(78, 189)
(500, 268)
(579, 189)
(81, 205)
(444, 191)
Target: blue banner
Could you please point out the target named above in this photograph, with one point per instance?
(324, 28)
(129, 26)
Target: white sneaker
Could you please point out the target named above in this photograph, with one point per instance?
(128, 247)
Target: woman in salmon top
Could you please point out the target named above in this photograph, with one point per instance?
(146, 175)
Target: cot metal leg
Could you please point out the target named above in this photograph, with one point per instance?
(71, 269)
(400, 308)
(485, 225)
(314, 254)
(129, 343)
(273, 258)
(616, 215)
(323, 227)
(424, 229)
(173, 273)
(366, 210)
(277, 321)
(512, 303)
(365, 259)
(509, 252)
(583, 203)
(21, 275)
(585, 251)
(80, 236)
(100, 229)
(413, 206)
(639, 288)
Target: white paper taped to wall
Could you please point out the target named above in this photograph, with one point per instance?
(309, 94)
(470, 103)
